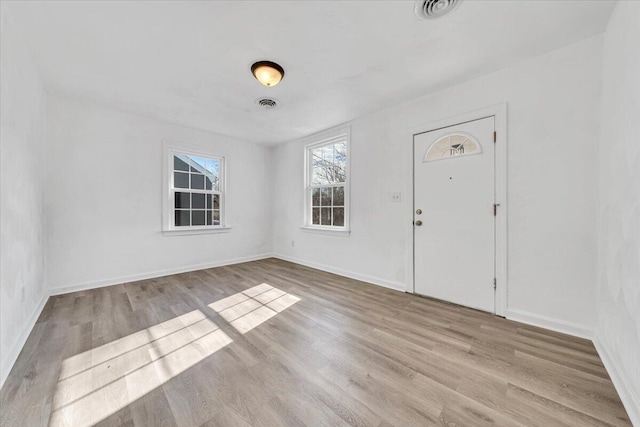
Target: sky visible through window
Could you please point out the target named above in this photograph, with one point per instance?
(201, 164)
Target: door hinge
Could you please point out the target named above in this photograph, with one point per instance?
(495, 136)
(495, 283)
(495, 209)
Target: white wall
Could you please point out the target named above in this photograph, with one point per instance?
(103, 202)
(21, 194)
(618, 296)
(102, 178)
(553, 115)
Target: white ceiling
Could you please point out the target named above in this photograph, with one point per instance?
(188, 62)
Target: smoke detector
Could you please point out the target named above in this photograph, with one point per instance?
(432, 9)
(267, 103)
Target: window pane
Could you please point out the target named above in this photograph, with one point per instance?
(324, 164)
(197, 201)
(197, 164)
(182, 200)
(212, 166)
(338, 196)
(340, 162)
(199, 176)
(451, 146)
(325, 197)
(329, 164)
(197, 217)
(180, 162)
(180, 180)
(182, 218)
(319, 170)
(315, 197)
(338, 217)
(325, 216)
(197, 181)
(319, 178)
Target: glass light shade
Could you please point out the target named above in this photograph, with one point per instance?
(267, 73)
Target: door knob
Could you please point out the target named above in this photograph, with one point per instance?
(419, 211)
(418, 222)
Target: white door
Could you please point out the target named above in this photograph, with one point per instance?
(454, 217)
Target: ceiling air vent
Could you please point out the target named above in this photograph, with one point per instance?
(267, 103)
(432, 9)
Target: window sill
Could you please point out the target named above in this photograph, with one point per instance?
(175, 232)
(328, 231)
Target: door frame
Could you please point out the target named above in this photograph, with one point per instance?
(499, 112)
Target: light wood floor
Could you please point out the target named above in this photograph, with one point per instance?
(306, 348)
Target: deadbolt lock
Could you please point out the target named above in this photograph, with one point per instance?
(419, 212)
(418, 223)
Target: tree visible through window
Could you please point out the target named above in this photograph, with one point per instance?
(326, 184)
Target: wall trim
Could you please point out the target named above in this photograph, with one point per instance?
(396, 286)
(9, 359)
(551, 323)
(622, 386)
(154, 274)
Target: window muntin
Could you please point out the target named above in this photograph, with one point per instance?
(452, 145)
(327, 184)
(196, 191)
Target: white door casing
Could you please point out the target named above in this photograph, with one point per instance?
(454, 188)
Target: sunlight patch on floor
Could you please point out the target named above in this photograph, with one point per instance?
(101, 381)
(254, 306)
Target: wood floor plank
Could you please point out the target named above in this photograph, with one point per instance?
(271, 343)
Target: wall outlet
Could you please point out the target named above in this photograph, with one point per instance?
(396, 197)
(22, 294)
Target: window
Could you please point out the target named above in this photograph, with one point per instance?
(327, 191)
(196, 191)
(452, 145)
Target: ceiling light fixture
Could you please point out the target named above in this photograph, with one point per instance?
(268, 73)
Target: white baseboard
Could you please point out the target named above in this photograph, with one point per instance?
(9, 359)
(396, 286)
(153, 274)
(629, 398)
(551, 323)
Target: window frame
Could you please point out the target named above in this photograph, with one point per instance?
(324, 139)
(169, 191)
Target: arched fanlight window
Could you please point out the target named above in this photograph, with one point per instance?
(453, 145)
